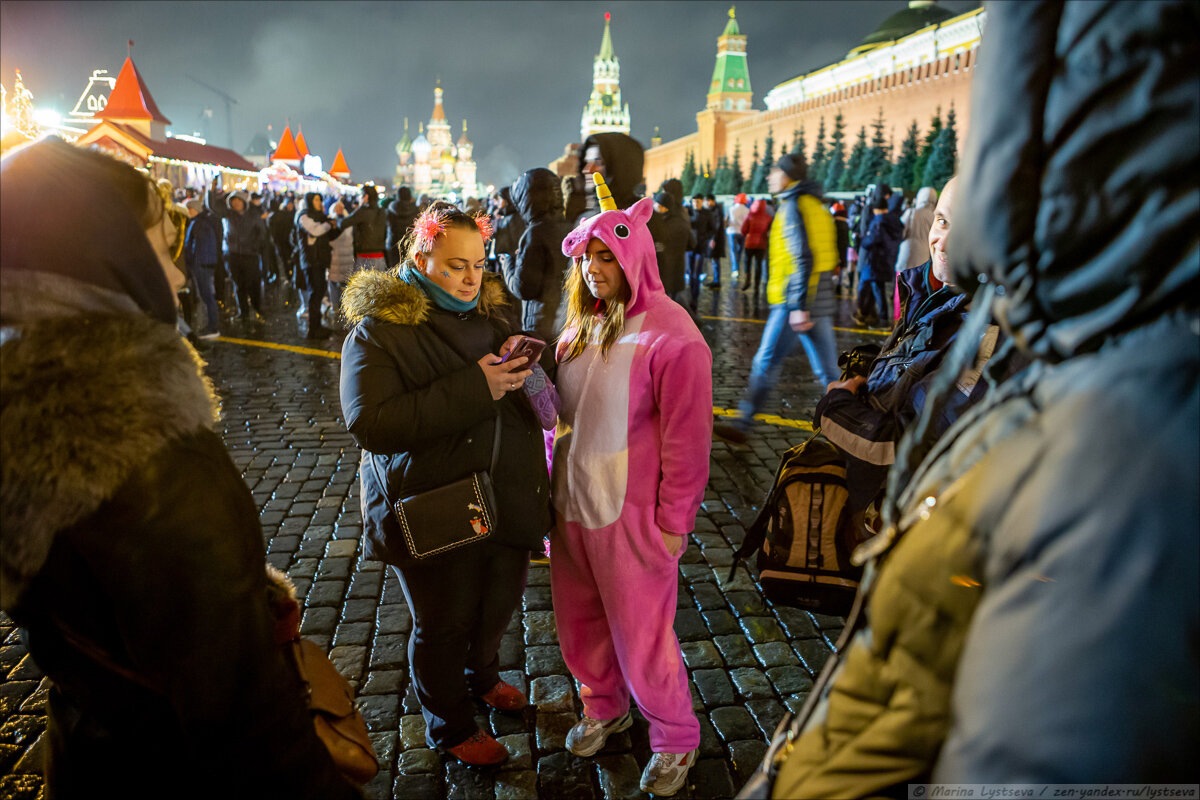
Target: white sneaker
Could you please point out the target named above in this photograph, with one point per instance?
(588, 736)
(667, 772)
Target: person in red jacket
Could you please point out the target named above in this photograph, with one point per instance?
(755, 228)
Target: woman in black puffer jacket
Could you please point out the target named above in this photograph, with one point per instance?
(421, 393)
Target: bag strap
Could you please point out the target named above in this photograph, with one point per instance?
(756, 534)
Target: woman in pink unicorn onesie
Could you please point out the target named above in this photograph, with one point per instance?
(630, 467)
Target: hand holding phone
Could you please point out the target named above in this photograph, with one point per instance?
(526, 346)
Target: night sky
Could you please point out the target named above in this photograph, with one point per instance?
(349, 73)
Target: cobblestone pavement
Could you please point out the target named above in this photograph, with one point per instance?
(748, 661)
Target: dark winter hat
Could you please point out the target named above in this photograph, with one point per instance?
(793, 165)
(104, 245)
(662, 199)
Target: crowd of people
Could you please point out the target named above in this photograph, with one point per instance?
(1026, 439)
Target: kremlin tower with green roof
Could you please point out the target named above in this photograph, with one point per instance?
(604, 112)
(730, 87)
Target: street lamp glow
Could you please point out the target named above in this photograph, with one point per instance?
(47, 117)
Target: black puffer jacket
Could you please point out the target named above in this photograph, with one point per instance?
(509, 227)
(540, 265)
(673, 237)
(416, 401)
(370, 225)
(245, 231)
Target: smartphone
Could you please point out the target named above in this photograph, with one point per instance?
(526, 346)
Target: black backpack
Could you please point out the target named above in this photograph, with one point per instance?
(803, 535)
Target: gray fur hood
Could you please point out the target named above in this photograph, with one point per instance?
(86, 400)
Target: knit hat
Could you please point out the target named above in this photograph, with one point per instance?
(661, 198)
(740, 199)
(242, 195)
(194, 205)
(793, 165)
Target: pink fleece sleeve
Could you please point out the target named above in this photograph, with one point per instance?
(683, 393)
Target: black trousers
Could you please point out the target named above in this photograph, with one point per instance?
(314, 276)
(461, 604)
(247, 281)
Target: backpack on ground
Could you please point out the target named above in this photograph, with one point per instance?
(803, 535)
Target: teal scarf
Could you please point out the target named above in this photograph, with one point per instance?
(437, 294)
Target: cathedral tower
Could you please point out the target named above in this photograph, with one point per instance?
(604, 112)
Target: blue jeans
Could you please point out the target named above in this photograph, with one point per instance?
(778, 342)
(203, 276)
(737, 244)
(695, 266)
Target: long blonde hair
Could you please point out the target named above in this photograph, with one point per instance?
(594, 321)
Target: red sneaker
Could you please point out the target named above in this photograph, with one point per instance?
(480, 750)
(505, 697)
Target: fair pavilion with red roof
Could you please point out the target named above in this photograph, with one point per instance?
(340, 170)
(132, 128)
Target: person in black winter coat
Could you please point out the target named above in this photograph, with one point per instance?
(620, 159)
(280, 225)
(509, 226)
(717, 248)
(706, 228)
(422, 390)
(370, 229)
(400, 217)
(245, 236)
(539, 267)
(877, 259)
(131, 552)
(202, 251)
(673, 238)
(315, 231)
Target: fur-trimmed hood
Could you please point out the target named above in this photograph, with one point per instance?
(388, 297)
(86, 399)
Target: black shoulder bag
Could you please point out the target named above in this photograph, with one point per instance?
(450, 516)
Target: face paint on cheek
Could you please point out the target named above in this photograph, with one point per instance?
(445, 274)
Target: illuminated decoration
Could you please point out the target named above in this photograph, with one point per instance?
(604, 112)
(434, 163)
(130, 127)
(312, 165)
(94, 97)
(20, 110)
(339, 169)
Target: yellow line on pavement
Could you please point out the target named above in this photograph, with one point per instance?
(308, 351)
(764, 322)
(770, 419)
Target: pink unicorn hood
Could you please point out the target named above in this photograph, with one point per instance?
(626, 234)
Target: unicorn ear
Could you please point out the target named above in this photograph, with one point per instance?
(642, 210)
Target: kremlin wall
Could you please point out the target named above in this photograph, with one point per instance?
(918, 61)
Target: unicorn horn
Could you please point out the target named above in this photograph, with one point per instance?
(603, 194)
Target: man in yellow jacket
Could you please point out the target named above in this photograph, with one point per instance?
(801, 256)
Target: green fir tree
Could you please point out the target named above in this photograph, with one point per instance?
(752, 177)
(768, 161)
(835, 161)
(723, 178)
(854, 164)
(876, 162)
(902, 171)
(816, 167)
(798, 143)
(735, 170)
(704, 181)
(688, 178)
(943, 160)
(935, 127)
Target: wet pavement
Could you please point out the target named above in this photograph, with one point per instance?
(748, 661)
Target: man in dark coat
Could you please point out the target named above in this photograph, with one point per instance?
(369, 225)
(1059, 515)
(539, 267)
(705, 230)
(400, 218)
(245, 235)
(131, 551)
(877, 259)
(202, 251)
(717, 248)
(673, 238)
(509, 227)
(279, 225)
(620, 159)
